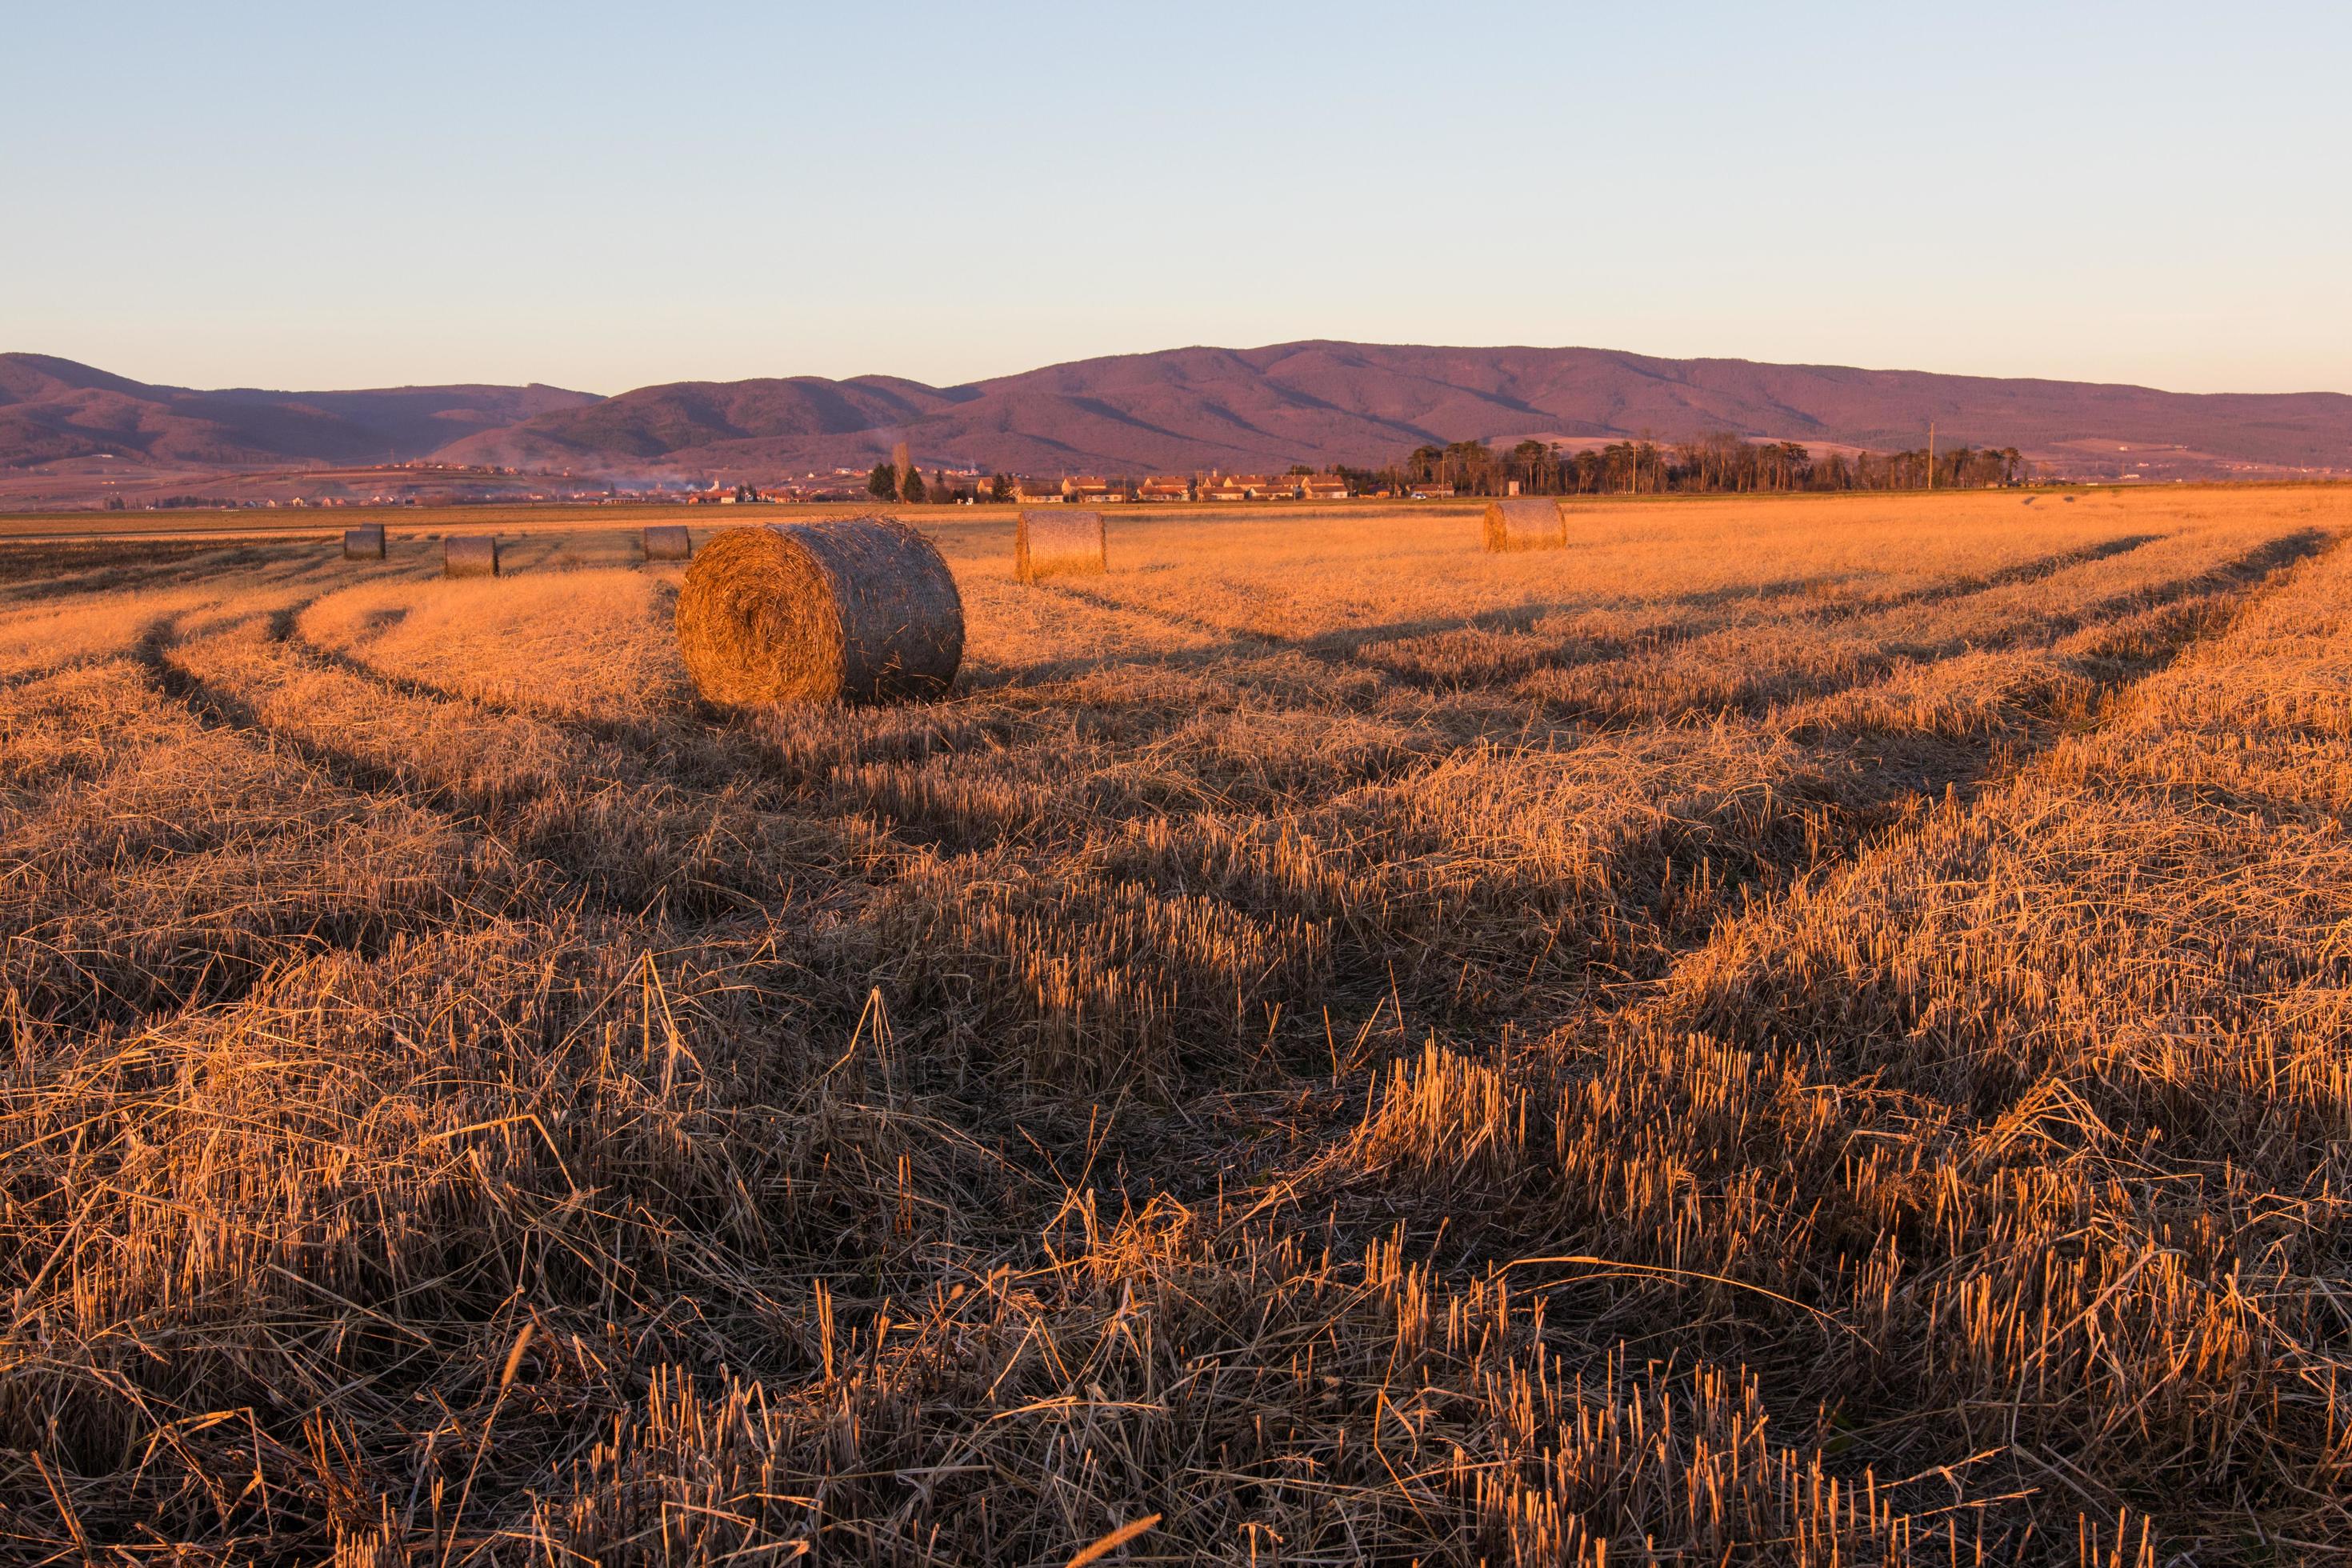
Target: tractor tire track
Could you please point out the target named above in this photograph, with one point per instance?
(216, 708)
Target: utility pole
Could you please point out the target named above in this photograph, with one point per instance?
(1931, 454)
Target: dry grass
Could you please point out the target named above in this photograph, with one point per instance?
(1796, 1031)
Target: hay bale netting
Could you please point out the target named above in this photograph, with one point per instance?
(859, 610)
(1526, 523)
(470, 555)
(364, 542)
(669, 541)
(1046, 542)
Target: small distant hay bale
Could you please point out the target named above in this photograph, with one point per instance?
(859, 610)
(1526, 523)
(470, 555)
(1049, 544)
(364, 542)
(669, 541)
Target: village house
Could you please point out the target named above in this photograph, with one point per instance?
(1092, 489)
(1268, 486)
(1322, 487)
(1216, 489)
(1036, 492)
(1165, 486)
(1430, 489)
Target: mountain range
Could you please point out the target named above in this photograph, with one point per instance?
(1181, 410)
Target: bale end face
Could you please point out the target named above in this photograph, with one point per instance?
(669, 541)
(1526, 523)
(364, 542)
(859, 610)
(474, 555)
(1057, 543)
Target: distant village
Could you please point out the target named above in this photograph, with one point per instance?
(888, 482)
(440, 484)
(899, 480)
(1715, 463)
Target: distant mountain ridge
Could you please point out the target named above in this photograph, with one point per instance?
(54, 408)
(1179, 410)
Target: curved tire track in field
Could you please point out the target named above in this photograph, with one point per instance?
(285, 630)
(670, 757)
(2256, 576)
(1806, 611)
(1346, 649)
(1756, 893)
(2233, 587)
(1755, 698)
(96, 569)
(1824, 817)
(233, 971)
(1932, 765)
(1839, 815)
(17, 679)
(213, 707)
(707, 753)
(737, 869)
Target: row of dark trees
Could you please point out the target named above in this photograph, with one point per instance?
(171, 503)
(1716, 463)
(884, 484)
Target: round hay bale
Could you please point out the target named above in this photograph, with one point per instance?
(1061, 541)
(859, 610)
(470, 555)
(364, 542)
(669, 541)
(1526, 523)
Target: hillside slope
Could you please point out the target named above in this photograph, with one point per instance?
(54, 408)
(1323, 402)
(1181, 410)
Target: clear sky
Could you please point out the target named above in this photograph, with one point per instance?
(606, 196)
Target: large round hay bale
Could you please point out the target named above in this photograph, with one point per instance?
(470, 555)
(364, 542)
(1045, 543)
(859, 610)
(1526, 523)
(669, 541)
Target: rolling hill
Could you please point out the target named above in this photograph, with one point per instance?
(1180, 410)
(53, 409)
(1323, 402)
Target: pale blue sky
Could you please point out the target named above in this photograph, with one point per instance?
(604, 196)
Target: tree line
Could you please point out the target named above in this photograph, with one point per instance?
(886, 483)
(1714, 463)
(1717, 463)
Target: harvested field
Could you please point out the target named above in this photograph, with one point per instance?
(1795, 1031)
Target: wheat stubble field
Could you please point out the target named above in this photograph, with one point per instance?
(1805, 1031)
